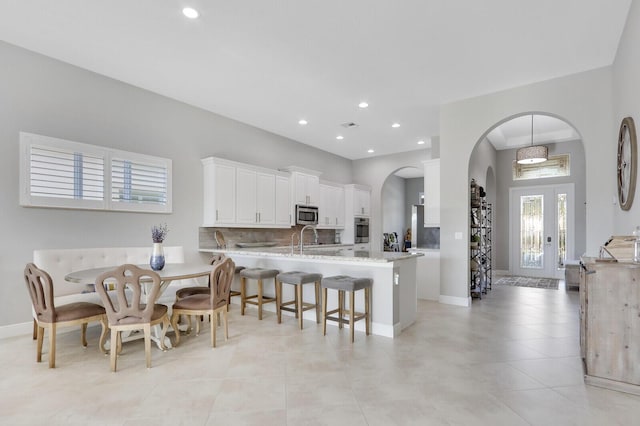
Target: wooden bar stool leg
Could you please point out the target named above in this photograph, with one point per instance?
(340, 307)
(295, 301)
(324, 311)
(279, 300)
(299, 303)
(243, 294)
(259, 299)
(317, 290)
(352, 312)
(367, 309)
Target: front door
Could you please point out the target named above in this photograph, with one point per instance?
(541, 238)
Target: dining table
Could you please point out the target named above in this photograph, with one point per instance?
(171, 272)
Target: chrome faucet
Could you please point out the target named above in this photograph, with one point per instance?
(294, 235)
(315, 233)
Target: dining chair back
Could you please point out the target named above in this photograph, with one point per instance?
(126, 309)
(212, 304)
(47, 315)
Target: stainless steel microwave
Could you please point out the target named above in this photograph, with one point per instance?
(306, 215)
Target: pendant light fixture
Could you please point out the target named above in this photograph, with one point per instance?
(532, 154)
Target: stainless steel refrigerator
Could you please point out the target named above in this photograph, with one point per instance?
(422, 237)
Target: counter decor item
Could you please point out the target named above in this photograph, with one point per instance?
(158, 234)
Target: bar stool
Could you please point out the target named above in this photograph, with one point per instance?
(298, 279)
(256, 274)
(344, 283)
(234, 292)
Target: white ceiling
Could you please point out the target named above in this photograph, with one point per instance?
(270, 63)
(517, 132)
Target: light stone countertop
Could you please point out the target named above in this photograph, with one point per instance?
(338, 253)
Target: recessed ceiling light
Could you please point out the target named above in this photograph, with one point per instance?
(395, 125)
(363, 104)
(420, 142)
(371, 151)
(339, 137)
(302, 122)
(190, 13)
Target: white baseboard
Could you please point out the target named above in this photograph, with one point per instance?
(14, 330)
(500, 272)
(453, 300)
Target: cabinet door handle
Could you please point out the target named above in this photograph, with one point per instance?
(216, 214)
(259, 217)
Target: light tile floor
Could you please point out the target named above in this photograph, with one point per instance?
(512, 359)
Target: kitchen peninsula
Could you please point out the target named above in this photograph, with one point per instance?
(394, 301)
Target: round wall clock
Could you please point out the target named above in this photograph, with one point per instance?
(627, 163)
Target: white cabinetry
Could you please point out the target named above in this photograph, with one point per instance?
(305, 186)
(283, 202)
(255, 197)
(432, 193)
(358, 200)
(331, 208)
(357, 204)
(219, 192)
(241, 195)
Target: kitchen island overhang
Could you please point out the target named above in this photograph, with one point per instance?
(394, 291)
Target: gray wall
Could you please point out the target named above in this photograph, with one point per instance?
(393, 205)
(374, 172)
(48, 97)
(412, 188)
(505, 182)
(626, 92)
(584, 100)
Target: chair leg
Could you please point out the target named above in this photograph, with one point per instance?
(147, 343)
(299, 303)
(114, 349)
(340, 307)
(352, 313)
(52, 345)
(226, 325)
(83, 334)
(260, 288)
(324, 311)
(197, 327)
(174, 324)
(214, 326)
(163, 334)
(318, 303)
(367, 309)
(243, 294)
(40, 337)
(103, 334)
(278, 300)
(35, 329)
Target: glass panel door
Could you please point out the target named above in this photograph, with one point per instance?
(532, 231)
(541, 230)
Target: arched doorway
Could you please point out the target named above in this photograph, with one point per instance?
(551, 195)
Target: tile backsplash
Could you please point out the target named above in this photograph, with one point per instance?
(282, 237)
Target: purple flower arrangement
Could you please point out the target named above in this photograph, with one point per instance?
(159, 233)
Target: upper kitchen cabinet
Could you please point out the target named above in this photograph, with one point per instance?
(255, 197)
(332, 207)
(358, 200)
(219, 192)
(305, 185)
(283, 202)
(432, 193)
(242, 195)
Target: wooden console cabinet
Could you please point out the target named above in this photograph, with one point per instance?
(610, 324)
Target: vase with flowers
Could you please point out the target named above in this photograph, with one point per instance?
(158, 234)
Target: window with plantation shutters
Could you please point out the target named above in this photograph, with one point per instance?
(64, 174)
(555, 166)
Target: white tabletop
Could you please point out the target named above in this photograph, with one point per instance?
(170, 272)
